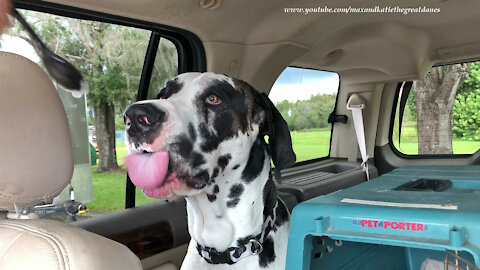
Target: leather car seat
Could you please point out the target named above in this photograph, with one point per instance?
(36, 164)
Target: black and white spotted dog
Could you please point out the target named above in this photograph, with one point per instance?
(204, 139)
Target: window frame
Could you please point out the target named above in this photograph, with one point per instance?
(190, 50)
(310, 161)
(423, 156)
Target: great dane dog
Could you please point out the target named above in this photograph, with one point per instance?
(204, 139)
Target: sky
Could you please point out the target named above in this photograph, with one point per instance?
(292, 85)
(300, 84)
(19, 46)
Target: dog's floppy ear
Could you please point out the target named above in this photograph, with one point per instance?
(279, 139)
(161, 93)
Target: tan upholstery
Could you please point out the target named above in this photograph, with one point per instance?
(166, 266)
(47, 244)
(35, 165)
(36, 160)
(255, 40)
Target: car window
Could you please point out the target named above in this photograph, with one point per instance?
(110, 58)
(441, 114)
(305, 98)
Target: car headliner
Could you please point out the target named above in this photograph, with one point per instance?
(256, 40)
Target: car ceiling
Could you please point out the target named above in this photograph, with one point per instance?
(362, 47)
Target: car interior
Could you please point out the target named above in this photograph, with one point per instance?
(375, 55)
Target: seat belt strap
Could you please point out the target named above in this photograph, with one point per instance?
(356, 104)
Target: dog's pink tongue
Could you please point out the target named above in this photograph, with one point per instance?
(147, 170)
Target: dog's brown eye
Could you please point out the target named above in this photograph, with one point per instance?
(213, 99)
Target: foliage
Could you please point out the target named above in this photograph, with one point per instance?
(165, 67)
(307, 114)
(466, 112)
(410, 113)
(466, 116)
(473, 81)
(119, 124)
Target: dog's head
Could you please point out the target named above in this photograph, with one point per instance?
(202, 126)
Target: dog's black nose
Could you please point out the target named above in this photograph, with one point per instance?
(143, 117)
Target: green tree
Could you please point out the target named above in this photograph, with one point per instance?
(473, 81)
(307, 114)
(166, 66)
(466, 116)
(410, 113)
(466, 111)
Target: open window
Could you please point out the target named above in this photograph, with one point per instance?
(111, 58)
(305, 98)
(440, 114)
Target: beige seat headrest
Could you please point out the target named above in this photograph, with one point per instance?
(36, 160)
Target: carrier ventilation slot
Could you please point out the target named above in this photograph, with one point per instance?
(453, 259)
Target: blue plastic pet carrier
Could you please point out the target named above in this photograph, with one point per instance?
(410, 218)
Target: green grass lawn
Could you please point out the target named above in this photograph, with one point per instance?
(310, 144)
(459, 147)
(109, 188)
(409, 142)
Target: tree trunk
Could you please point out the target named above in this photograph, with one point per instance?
(435, 97)
(105, 132)
(434, 126)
